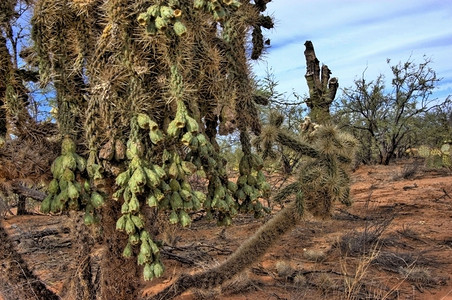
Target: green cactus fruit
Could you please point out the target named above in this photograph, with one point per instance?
(186, 195)
(235, 4)
(186, 138)
(127, 253)
(138, 221)
(199, 4)
(156, 136)
(200, 196)
(144, 235)
(174, 185)
(80, 162)
(251, 180)
(145, 249)
(142, 19)
(188, 205)
(45, 204)
(159, 171)
(194, 143)
(134, 239)
(68, 175)
(176, 201)
(202, 141)
(165, 202)
(125, 208)
(153, 179)
(173, 130)
(232, 186)
(151, 201)
(53, 187)
(134, 205)
(154, 248)
(142, 259)
(166, 12)
(192, 125)
(158, 194)
(188, 167)
(158, 269)
(179, 28)
(67, 146)
(184, 218)
(161, 24)
(196, 203)
(219, 15)
(153, 10)
(143, 120)
(57, 167)
(97, 200)
(73, 204)
(130, 226)
(229, 201)
(148, 272)
(243, 179)
(72, 191)
(121, 223)
(173, 170)
(69, 161)
(139, 176)
(88, 219)
(173, 218)
(117, 194)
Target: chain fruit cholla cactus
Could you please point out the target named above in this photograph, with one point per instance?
(141, 87)
(322, 180)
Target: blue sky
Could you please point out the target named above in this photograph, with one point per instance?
(351, 36)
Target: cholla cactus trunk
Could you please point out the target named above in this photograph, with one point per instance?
(4, 63)
(141, 86)
(322, 180)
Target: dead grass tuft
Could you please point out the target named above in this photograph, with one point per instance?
(314, 255)
(284, 269)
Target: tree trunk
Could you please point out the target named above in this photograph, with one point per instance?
(119, 277)
(322, 89)
(17, 282)
(21, 205)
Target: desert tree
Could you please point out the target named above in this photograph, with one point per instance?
(384, 115)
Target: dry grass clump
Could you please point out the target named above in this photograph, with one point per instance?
(314, 255)
(283, 269)
(240, 285)
(359, 243)
(418, 275)
(211, 294)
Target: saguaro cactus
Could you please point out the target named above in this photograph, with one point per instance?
(322, 88)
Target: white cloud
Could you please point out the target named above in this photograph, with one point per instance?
(350, 36)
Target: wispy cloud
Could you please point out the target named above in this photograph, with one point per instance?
(351, 36)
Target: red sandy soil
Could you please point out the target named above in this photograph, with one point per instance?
(394, 242)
